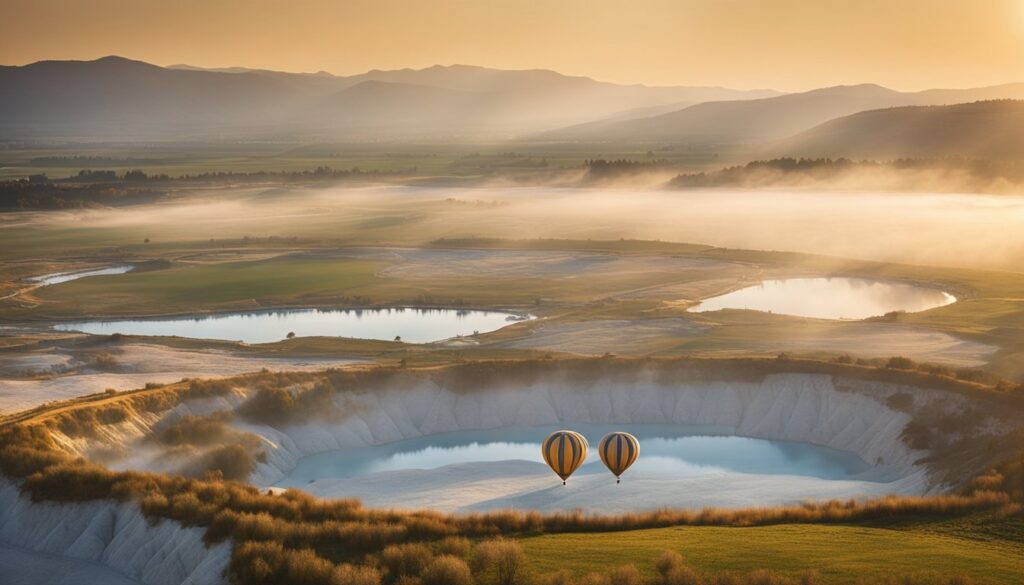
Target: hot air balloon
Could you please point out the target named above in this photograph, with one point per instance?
(564, 452)
(618, 451)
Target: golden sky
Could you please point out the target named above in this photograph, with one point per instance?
(783, 44)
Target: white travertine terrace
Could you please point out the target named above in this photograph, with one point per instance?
(849, 415)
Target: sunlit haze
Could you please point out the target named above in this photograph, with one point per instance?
(784, 44)
(511, 292)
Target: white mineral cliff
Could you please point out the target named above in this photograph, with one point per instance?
(73, 536)
(789, 407)
(842, 414)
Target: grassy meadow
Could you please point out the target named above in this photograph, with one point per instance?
(840, 554)
(458, 160)
(204, 287)
(317, 257)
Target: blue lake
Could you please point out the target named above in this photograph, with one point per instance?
(668, 450)
(829, 298)
(412, 325)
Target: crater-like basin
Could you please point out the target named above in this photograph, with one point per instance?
(465, 442)
(719, 468)
(829, 298)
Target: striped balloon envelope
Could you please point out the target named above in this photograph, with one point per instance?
(618, 451)
(564, 452)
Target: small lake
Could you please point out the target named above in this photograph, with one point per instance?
(829, 298)
(59, 277)
(412, 325)
(667, 451)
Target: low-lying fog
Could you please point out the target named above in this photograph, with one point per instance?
(969, 230)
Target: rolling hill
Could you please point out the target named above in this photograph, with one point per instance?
(114, 96)
(992, 130)
(767, 119)
(118, 96)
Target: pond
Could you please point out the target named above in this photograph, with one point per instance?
(829, 298)
(666, 451)
(59, 277)
(412, 325)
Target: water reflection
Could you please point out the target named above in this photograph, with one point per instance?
(59, 277)
(666, 450)
(829, 298)
(411, 325)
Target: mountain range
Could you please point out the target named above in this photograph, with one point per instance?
(990, 130)
(760, 120)
(118, 98)
(114, 96)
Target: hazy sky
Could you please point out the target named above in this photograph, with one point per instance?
(785, 44)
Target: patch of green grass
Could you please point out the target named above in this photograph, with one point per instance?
(841, 553)
(186, 288)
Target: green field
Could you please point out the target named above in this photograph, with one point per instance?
(309, 231)
(841, 554)
(189, 288)
(300, 280)
(409, 159)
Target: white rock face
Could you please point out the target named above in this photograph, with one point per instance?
(94, 537)
(789, 407)
(102, 539)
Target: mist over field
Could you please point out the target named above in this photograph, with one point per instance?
(946, 229)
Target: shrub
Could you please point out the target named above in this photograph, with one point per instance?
(346, 574)
(766, 577)
(103, 362)
(269, 406)
(674, 571)
(78, 423)
(900, 363)
(900, 401)
(458, 546)
(269, 563)
(917, 435)
(19, 462)
(206, 389)
(503, 557)
(625, 575)
(406, 559)
(562, 577)
(971, 375)
(234, 462)
(447, 570)
(668, 560)
(682, 576)
(195, 430)
(275, 405)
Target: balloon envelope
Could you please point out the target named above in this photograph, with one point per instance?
(564, 452)
(618, 451)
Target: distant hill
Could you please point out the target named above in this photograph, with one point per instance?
(114, 96)
(761, 120)
(992, 130)
(118, 96)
